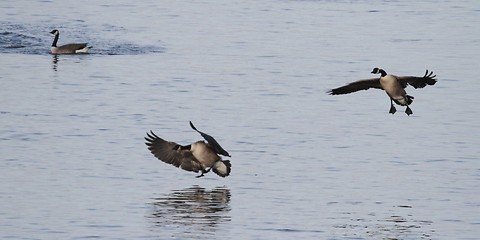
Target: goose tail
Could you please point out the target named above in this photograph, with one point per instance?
(222, 168)
(83, 50)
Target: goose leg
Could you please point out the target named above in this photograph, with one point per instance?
(392, 108)
(408, 111)
(199, 176)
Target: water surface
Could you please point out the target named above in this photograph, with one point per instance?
(305, 165)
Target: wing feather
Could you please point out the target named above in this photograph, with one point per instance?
(418, 82)
(73, 46)
(213, 143)
(171, 153)
(357, 86)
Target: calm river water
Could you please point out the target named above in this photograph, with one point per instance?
(254, 74)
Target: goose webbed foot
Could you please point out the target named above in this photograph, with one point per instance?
(408, 111)
(392, 109)
(203, 173)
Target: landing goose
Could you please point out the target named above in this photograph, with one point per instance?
(71, 48)
(393, 85)
(197, 157)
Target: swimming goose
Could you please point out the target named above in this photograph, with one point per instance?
(198, 156)
(71, 48)
(393, 85)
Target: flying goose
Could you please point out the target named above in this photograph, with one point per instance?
(393, 85)
(71, 48)
(198, 156)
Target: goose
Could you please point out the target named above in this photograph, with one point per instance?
(71, 48)
(393, 85)
(197, 157)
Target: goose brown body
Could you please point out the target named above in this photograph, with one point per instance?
(71, 48)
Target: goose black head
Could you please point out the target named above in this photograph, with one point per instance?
(379, 71)
(54, 31)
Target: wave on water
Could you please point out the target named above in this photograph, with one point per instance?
(30, 39)
(16, 38)
(107, 48)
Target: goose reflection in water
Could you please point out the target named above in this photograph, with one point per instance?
(55, 62)
(192, 211)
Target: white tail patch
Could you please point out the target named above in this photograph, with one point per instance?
(401, 101)
(222, 168)
(83, 50)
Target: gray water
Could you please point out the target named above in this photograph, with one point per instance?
(254, 74)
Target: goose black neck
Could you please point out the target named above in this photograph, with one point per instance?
(382, 72)
(54, 44)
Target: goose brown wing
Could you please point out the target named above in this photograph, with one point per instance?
(73, 46)
(357, 86)
(418, 82)
(171, 153)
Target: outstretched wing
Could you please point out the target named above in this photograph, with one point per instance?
(213, 143)
(418, 82)
(171, 153)
(357, 86)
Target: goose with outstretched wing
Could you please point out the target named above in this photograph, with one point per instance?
(199, 156)
(393, 85)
